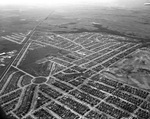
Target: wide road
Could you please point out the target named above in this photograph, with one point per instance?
(25, 44)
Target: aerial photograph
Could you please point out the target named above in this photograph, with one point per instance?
(74, 59)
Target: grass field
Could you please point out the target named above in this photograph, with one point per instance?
(134, 23)
(14, 19)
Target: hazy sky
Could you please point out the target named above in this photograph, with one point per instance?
(131, 3)
(124, 3)
(53, 2)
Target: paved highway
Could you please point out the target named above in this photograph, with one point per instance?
(25, 45)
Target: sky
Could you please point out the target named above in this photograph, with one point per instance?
(124, 3)
(53, 2)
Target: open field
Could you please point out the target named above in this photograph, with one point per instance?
(18, 19)
(133, 23)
